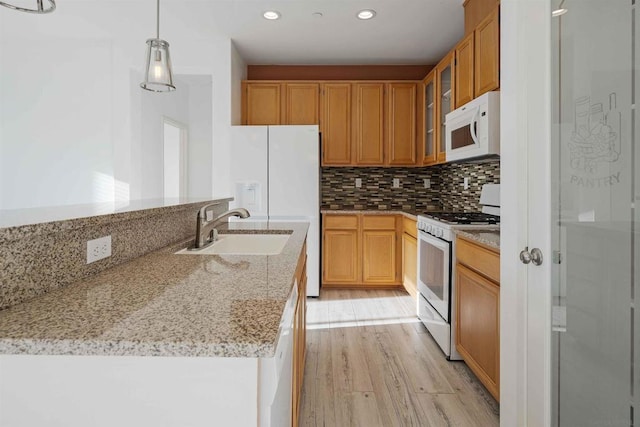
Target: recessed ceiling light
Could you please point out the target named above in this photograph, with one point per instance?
(366, 14)
(559, 12)
(271, 15)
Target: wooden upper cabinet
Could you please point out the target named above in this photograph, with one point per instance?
(464, 70)
(475, 11)
(401, 123)
(487, 53)
(335, 124)
(301, 104)
(445, 95)
(262, 104)
(429, 149)
(369, 123)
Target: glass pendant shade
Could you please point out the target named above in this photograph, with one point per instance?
(40, 6)
(158, 76)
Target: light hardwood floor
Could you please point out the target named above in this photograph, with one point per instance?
(371, 363)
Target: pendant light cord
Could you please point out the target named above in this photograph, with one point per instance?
(158, 19)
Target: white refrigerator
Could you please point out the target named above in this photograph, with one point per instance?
(275, 174)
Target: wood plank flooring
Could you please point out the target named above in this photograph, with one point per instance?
(370, 362)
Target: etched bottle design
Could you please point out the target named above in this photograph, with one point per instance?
(613, 120)
(582, 110)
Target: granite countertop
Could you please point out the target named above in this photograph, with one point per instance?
(163, 304)
(489, 237)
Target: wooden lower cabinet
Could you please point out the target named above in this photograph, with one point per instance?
(299, 337)
(361, 250)
(379, 256)
(478, 313)
(340, 250)
(410, 256)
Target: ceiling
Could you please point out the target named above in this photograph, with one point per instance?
(403, 31)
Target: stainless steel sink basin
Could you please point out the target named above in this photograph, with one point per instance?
(243, 244)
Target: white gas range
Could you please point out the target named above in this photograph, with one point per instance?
(436, 261)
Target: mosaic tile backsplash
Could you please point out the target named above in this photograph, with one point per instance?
(446, 190)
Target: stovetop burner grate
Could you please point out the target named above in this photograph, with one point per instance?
(464, 217)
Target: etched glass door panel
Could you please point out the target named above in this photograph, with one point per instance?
(593, 169)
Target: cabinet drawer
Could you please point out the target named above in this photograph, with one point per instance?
(478, 258)
(379, 222)
(409, 226)
(341, 222)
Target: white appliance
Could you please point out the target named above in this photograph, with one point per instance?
(275, 174)
(473, 130)
(437, 259)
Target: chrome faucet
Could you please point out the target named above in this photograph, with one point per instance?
(206, 232)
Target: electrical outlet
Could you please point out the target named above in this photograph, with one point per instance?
(209, 215)
(358, 182)
(396, 182)
(98, 249)
(466, 183)
(427, 183)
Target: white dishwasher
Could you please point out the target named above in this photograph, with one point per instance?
(276, 373)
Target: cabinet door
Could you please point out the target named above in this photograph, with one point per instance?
(335, 124)
(478, 326)
(262, 103)
(487, 56)
(445, 76)
(302, 104)
(410, 263)
(401, 123)
(340, 257)
(369, 123)
(379, 256)
(464, 70)
(429, 150)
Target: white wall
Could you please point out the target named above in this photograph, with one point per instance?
(53, 153)
(200, 134)
(71, 108)
(227, 78)
(155, 106)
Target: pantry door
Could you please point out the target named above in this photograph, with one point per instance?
(571, 169)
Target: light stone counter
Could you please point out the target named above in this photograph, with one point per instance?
(489, 238)
(163, 304)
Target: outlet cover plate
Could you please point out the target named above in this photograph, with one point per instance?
(98, 249)
(396, 182)
(358, 182)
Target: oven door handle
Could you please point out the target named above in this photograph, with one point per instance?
(433, 240)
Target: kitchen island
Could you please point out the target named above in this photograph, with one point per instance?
(162, 340)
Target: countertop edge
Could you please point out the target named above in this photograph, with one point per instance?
(489, 238)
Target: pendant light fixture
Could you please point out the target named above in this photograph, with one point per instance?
(40, 7)
(157, 75)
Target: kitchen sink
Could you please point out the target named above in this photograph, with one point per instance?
(243, 244)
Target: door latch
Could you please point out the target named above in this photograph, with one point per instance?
(534, 256)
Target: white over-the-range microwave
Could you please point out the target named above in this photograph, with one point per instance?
(473, 130)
